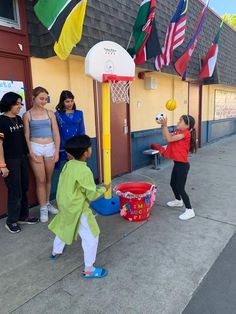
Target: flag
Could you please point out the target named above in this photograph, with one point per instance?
(159, 61)
(147, 43)
(174, 36)
(182, 63)
(64, 19)
(209, 62)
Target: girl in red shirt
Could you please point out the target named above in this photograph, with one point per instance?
(180, 143)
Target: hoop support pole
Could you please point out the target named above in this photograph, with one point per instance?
(106, 136)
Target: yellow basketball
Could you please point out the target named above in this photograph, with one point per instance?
(171, 104)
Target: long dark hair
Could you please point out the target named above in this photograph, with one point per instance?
(65, 94)
(9, 100)
(190, 121)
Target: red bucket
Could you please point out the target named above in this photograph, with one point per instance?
(136, 199)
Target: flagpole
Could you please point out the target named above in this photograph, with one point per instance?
(173, 97)
(201, 67)
(129, 41)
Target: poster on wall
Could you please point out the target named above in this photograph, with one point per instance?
(225, 104)
(16, 87)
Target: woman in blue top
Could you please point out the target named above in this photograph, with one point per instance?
(70, 121)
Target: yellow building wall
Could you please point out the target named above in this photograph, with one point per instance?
(208, 100)
(56, 75)
(146, 104)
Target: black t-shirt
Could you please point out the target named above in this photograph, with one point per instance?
(12, 134)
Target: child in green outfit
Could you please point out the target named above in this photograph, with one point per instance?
(76, 189)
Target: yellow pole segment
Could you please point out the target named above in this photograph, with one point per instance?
(106, 136)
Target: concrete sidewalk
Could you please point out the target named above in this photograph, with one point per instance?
(154, 267)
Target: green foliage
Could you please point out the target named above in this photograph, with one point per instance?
(230, 19)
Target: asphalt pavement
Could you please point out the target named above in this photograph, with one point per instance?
(162, 266)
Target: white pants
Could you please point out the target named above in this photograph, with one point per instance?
(89, 243)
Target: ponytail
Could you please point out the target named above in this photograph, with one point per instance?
(190, 121)
(193, 141)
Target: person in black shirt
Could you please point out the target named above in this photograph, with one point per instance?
(14, 162)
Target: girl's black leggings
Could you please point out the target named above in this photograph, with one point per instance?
(178, 181)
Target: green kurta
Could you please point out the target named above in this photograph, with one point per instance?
(76, 188)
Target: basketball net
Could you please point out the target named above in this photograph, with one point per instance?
(120, 91)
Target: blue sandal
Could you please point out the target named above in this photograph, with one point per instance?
(97, 273)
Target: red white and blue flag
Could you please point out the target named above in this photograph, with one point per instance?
(182, 63)
(210, 60)
(174, 36)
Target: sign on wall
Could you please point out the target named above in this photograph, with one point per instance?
(225, 105)
(13, 86)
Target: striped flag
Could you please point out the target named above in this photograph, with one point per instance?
(159, 61)
(209, 62)
(64, 19)
(174, 36)
(147, 43)
(182, 63)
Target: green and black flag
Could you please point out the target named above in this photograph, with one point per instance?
(147, 43)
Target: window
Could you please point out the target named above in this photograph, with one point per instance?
(9, 13)
(225, 104)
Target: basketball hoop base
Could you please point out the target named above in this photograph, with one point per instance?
(106, 207)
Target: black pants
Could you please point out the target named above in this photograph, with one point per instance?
(17, 183)
(178, 181)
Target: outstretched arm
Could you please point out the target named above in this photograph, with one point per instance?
(89, 188)
(167, 135)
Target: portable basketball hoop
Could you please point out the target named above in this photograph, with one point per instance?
(109, 63)
(119, 87)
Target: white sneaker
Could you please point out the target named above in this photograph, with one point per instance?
(44, 214)
(175, 203)
(188, 214)
(51, 209)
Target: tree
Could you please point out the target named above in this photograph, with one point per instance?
(230, 19)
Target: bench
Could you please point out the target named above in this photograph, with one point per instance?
(157, 156)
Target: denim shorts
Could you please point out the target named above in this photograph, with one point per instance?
(44, 150)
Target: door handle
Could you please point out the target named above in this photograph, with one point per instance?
(125, 127)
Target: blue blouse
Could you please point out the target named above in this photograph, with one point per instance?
(70, 124)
